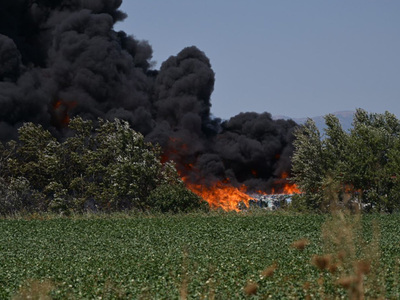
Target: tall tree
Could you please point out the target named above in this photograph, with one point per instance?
(362, 164)
(308, 163)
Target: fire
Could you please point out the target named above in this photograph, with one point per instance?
(221, 195)
(57, 104)
(175, 150)
(61, 111)
(290, 189)
(286, 187)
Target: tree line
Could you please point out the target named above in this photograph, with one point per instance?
(107, 166)
(359, 167)
(100, 166)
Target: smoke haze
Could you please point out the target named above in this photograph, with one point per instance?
(59, 59)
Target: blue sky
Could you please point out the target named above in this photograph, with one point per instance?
(294, 58)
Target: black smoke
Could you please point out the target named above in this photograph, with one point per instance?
(63, 58)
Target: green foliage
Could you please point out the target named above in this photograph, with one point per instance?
(16, 195)
(361, 166)
(103, 166)
(308, 163)
(176, 198)
(151, 257)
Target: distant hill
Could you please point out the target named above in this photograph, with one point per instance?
(345, 118)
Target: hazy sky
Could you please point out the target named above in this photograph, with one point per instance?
(293, 58)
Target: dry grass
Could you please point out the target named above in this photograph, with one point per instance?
(269, 272)
(357, 262)
(251, 288)
(346, 263)
(35, 290)
(300, 244)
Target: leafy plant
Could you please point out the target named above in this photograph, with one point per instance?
(176, 198)
(203, 255)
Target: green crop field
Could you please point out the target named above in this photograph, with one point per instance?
(200, 256)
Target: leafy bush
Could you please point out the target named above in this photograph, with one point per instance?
(16, 195)
(176, 198)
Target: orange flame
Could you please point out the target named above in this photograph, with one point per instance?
(57, 104)
(290, 189)
(221, 195)
(287, 188)
(61, 110)
(175, 149)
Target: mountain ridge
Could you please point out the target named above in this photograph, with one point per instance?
(345, 117)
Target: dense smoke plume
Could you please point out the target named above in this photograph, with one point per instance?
(62, 58)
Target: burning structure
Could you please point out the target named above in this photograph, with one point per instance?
(63, 58)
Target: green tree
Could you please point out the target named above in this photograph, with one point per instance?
(374, 164)
(308, 163)
(362, 164)
(125, 166)
(104, 165)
